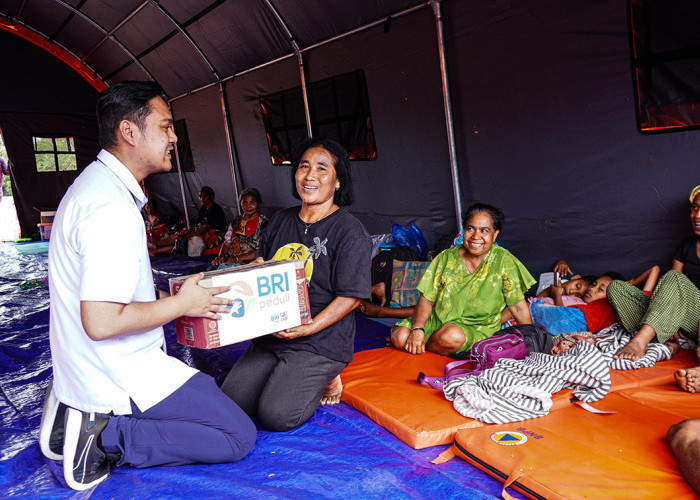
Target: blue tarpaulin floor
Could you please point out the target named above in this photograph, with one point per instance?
(339, 453)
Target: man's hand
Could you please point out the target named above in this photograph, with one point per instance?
(202, 302)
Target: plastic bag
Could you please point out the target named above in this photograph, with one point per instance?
(410, 236)
(195, 246)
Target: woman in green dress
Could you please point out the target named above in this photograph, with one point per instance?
(465, 290)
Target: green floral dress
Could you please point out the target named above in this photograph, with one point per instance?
(473, 302)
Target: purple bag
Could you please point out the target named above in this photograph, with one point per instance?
(483, 356)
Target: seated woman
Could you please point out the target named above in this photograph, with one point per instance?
(156, 229)
(209, 225)
(244, 233)
(465, 289)
(673, 307)
(283, 377)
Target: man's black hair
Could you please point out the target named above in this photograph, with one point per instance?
(124, 101)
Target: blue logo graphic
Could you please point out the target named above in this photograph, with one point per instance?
(238, 308)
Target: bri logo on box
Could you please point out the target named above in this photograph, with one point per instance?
(274, 283)
(273, 290)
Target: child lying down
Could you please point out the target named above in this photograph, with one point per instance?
(593, 315)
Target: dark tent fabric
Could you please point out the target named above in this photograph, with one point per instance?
(542, 100)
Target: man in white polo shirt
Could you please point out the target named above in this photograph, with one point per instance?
(122, 398)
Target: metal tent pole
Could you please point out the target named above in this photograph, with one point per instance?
(300, 59)
(229, 143)
(448, 113)
(182, 186)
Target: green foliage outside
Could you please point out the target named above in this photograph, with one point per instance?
(6, 187)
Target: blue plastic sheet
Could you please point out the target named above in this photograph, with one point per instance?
(339, 453)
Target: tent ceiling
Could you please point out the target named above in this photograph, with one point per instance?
(186, 44)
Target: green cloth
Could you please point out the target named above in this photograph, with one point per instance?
(675, 305)
(473, 302)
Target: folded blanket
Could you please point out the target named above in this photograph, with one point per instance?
(518, 390)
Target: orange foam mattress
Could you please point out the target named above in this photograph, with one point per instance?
(381, 383)
(572, 453)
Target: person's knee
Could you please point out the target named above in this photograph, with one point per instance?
(280, 419)
(450, 338)
(242, 441)
(614, 287)
(671, 276)
(681, 434)
(399, 335)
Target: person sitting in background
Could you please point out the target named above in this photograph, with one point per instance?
(380, 305)
(150, 215)
(156, 229)
(465, 289)
(209, 225)
(243, 235)
(674, 306)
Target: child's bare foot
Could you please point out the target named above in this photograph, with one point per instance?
(688, 380)
(334, 390)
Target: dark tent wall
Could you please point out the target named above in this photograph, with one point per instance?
(545, 128)
(543, 105)
(207, 137)
(409, 180)
(40, 95)
(544, 109)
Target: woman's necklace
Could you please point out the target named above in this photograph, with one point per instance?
(309, 224)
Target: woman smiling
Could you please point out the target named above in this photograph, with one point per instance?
(465, 289)
(282, 378)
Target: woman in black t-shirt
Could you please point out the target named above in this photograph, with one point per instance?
(283, 377)
(674, 307)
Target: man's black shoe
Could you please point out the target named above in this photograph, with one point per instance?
(85, 463)
(52, 424)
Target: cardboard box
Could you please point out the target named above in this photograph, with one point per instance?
(268, 297)
(47, 216)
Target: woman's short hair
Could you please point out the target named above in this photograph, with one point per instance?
(497, 217)
(341, 162)
(252, 192)
(127, 100)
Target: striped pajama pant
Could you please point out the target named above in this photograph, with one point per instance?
(675, 305)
